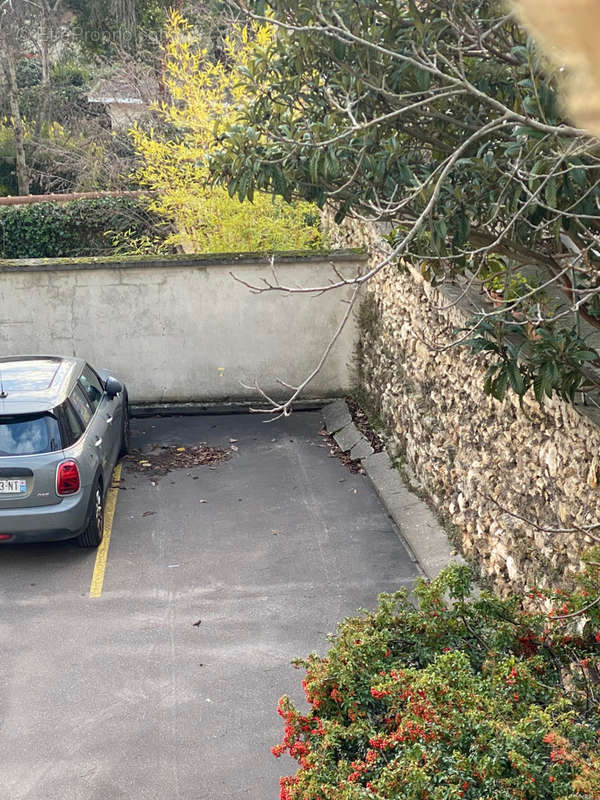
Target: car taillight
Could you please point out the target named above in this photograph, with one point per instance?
(67, 478)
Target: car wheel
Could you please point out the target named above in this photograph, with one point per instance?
(94, 530)
(125, 429)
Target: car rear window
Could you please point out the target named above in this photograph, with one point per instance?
(27, 435)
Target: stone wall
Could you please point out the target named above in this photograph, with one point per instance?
(519, 483)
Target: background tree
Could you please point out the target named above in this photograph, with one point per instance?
(56, 52)
(108, 27)
(12, 15)
(47, 20)
(443, 119)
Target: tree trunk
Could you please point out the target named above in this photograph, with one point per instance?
(13, 99)
(126, 17)
(45, 33)
(49, 25)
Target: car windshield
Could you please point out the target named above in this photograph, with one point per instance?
(27, 435)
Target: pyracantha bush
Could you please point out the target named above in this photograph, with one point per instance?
(447, 696)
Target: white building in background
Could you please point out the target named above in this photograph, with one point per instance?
(124, 102)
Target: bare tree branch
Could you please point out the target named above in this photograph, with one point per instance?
(283, 409)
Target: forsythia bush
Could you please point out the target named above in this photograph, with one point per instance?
(453, 698)
(205, 96)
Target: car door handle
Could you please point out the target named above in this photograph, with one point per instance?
(98, 442)
(109, 419)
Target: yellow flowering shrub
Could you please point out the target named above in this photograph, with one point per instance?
(204, 97)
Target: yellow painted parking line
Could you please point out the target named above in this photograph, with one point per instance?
(102, 552)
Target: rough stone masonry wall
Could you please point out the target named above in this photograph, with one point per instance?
(484, 464)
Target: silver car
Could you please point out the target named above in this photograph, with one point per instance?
(63, 427)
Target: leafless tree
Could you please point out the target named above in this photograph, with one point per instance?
(11, 15)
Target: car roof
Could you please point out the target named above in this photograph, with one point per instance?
(32, 384)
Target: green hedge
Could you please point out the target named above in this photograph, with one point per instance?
(75, 228)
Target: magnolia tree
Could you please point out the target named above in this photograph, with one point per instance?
(443, 119)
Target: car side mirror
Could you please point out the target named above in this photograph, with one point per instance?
(112, 387)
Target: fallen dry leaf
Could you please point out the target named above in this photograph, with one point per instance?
(163, 459)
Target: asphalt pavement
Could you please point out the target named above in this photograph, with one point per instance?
(165, 686)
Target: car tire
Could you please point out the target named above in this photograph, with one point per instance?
(125, 429)
(94, 530)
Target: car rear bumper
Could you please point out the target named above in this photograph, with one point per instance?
(63, 520)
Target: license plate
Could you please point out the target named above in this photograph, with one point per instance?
(16, 486)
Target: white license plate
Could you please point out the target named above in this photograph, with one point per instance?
(16, 486)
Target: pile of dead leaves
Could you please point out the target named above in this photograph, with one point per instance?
(362, 422)
(161, 460)
(335, 451)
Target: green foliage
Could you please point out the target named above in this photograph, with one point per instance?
(8, 181)
(106, 28)
(66, 95)
(452, 698)
(71, 73)
(29, 72)
(550, 360)
(131, 243)
(512, 287)
(76, 228)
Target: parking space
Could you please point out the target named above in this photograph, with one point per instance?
(165, 685)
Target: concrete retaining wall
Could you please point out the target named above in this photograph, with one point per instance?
(180, 329)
